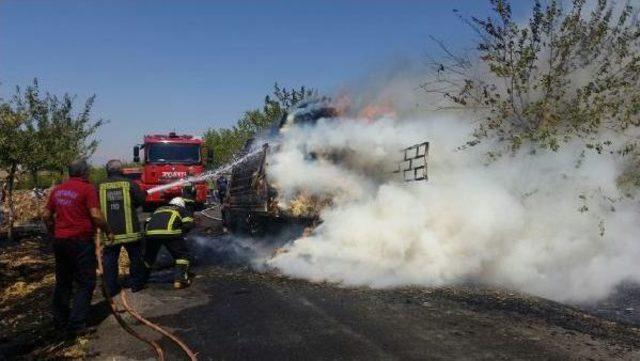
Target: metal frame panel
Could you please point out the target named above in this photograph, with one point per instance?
(413, 165)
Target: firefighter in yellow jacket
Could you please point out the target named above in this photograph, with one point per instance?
(189, 196)
(119, 199)
(167, 226)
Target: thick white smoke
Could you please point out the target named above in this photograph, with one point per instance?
(537, 223)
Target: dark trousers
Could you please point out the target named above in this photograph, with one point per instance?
(176, 246)
(221, 195)
(75, 263)
(111, 256)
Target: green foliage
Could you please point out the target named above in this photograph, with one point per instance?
(566, 73)
(97, 175)
(43, 133)
(54, 135)
(44, 179)
(12, 143)
(226, 142)
(12, 137)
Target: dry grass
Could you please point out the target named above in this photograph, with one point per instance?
(123, 262)
(26, 288)
(27, 208)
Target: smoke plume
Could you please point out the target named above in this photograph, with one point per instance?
(553, 224)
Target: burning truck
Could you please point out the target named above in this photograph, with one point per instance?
(253, 205)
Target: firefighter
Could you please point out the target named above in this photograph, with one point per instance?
(167, 226)
(72, 215)
(189, 196)
(119, 199)
(222, 184)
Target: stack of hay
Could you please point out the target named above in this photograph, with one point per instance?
(123, 262)
(28, 207)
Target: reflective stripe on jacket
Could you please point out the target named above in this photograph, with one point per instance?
(189, 204)
(169, 221)
(119, 198)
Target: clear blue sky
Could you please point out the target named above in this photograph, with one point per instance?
(157, 65)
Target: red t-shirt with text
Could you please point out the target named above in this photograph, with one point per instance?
(70, 202)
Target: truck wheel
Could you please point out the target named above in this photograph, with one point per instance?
(256, 226)
(237, 222)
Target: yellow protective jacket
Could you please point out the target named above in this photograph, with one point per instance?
(119, 198)
(169, 221)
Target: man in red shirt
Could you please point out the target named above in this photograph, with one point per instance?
(72, 215)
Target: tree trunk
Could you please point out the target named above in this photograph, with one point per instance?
(11, 178)
(34, 178)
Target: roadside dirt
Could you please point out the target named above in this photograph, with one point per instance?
(237, 314)
(234, 313)
(622, 305)
(26, 286)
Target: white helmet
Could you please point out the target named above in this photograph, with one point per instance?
(177, 201)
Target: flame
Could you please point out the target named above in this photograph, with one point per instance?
(381, 108)
(302, 205)
(375, 111)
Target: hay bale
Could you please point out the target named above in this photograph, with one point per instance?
(28, 207)
(123, 262)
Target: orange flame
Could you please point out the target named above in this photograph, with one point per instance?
(373, 112)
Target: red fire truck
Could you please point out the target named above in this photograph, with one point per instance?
(168, 158)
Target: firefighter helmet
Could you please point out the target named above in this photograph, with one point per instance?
(177, 201)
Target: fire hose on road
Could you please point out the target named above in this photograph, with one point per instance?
(159, 352)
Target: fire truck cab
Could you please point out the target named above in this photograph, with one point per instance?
(167, 158)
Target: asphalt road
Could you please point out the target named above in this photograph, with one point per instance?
(233, 313)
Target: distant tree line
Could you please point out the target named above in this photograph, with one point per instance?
(227, 142)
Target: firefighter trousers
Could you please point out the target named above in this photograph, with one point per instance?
(111, 257)
(177, 247)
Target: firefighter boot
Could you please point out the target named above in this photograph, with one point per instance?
(144, 278)
(183, 277)
(146, 272)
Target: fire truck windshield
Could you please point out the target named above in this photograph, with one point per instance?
(173, 153)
